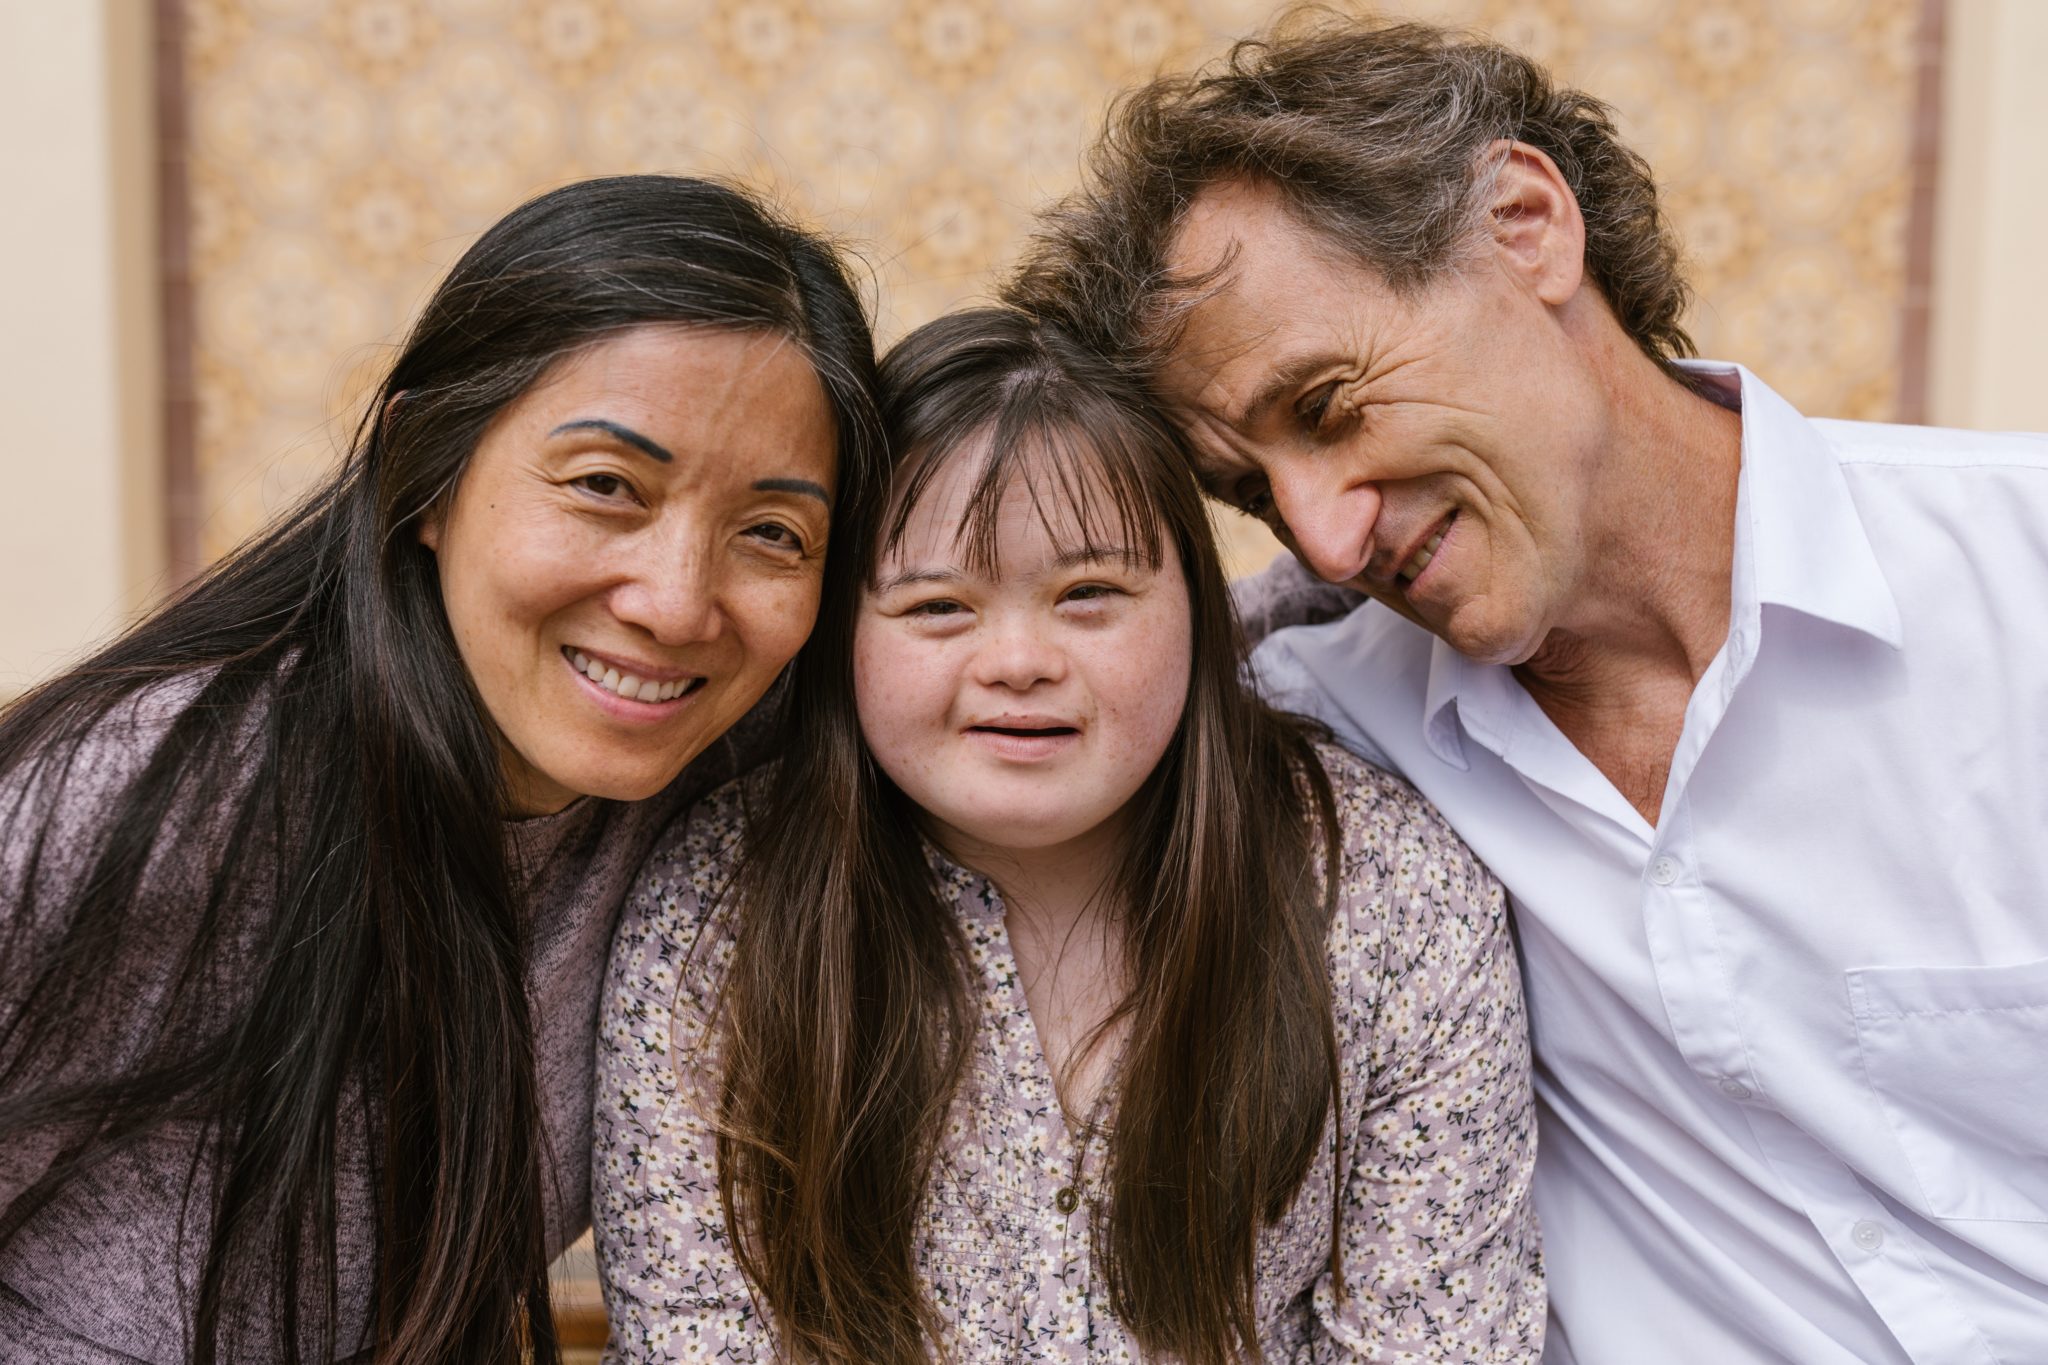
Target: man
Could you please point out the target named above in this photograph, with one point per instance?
(1750, 712)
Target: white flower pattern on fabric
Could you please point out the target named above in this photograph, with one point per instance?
(1441, 1258)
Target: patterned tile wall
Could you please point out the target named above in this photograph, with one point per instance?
(343, 152)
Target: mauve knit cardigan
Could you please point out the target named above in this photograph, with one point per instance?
(93, 1278)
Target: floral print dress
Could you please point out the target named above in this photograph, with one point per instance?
(1437, 1142)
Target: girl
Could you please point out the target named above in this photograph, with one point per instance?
(303, 894)
(1054, 999)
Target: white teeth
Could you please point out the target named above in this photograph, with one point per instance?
(1414, 567)
(626, 684)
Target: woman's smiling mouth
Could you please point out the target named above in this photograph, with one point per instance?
(630, 686)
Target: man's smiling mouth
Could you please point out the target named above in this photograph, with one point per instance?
(1419, 561)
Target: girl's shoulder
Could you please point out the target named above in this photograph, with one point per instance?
(1404, 868)
(1376, 807)
(689, 869)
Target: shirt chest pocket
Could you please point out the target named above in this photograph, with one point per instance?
(1958, 1058)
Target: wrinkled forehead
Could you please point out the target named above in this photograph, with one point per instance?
(1250, 285)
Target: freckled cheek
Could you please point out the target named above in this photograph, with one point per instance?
(904, 691)
(773, 619)
(1141, 685)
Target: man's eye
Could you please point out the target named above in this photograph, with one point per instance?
(1255, 500)
(1315, 406)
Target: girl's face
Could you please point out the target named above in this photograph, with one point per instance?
(633, 553)
(1022, 708)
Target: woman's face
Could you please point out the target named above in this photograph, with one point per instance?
(633, 553)
(1021, 710)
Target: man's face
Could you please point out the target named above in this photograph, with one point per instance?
(1436, 450)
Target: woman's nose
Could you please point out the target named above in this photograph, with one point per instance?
(672, 595)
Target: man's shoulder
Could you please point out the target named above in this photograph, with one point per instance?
(1939, 450)
(1371, 634)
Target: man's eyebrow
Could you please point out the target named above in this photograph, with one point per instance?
(1288, 376)
(623, 433)
(805, 486)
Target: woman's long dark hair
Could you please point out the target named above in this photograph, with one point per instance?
(849, 1011)
(314, 846)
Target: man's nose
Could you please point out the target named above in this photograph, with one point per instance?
(672, 594)
(1328, 521)
(1017, 654)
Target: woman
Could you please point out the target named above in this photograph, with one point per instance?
(1054, 999)
(303, 902)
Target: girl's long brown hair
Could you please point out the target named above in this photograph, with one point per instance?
(849, 1009)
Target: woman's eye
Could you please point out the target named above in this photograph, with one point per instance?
(1091, 592)
(937, 607)
(778, 535)
(607, 486)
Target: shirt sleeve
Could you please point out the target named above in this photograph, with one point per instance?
(1284, 594)
(673, 1289)
(1441, 1255)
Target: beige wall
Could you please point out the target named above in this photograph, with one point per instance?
(80, 538)
(80, 495)
(1989, 362)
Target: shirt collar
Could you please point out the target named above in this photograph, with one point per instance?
(1799, 543)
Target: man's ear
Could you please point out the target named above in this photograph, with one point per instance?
(1538, 232)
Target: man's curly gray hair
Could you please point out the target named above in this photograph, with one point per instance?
(1382, 138)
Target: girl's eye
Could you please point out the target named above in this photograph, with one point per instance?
(1091, 592)
(937, 607)
(778, 535)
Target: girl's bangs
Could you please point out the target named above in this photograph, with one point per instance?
(1089, 474)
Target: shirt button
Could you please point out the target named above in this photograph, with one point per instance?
(1867, 1235)
(1067, 1200)
(1735, 1090)
(1664, 871)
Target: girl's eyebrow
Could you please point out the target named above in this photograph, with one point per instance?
(1097, 554)
(907, 577)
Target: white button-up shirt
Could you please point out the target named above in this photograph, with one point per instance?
(1792, 1043)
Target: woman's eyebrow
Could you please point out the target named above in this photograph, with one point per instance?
(815, 490)
(623, 433)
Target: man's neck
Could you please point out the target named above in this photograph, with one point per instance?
(1653, 609)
